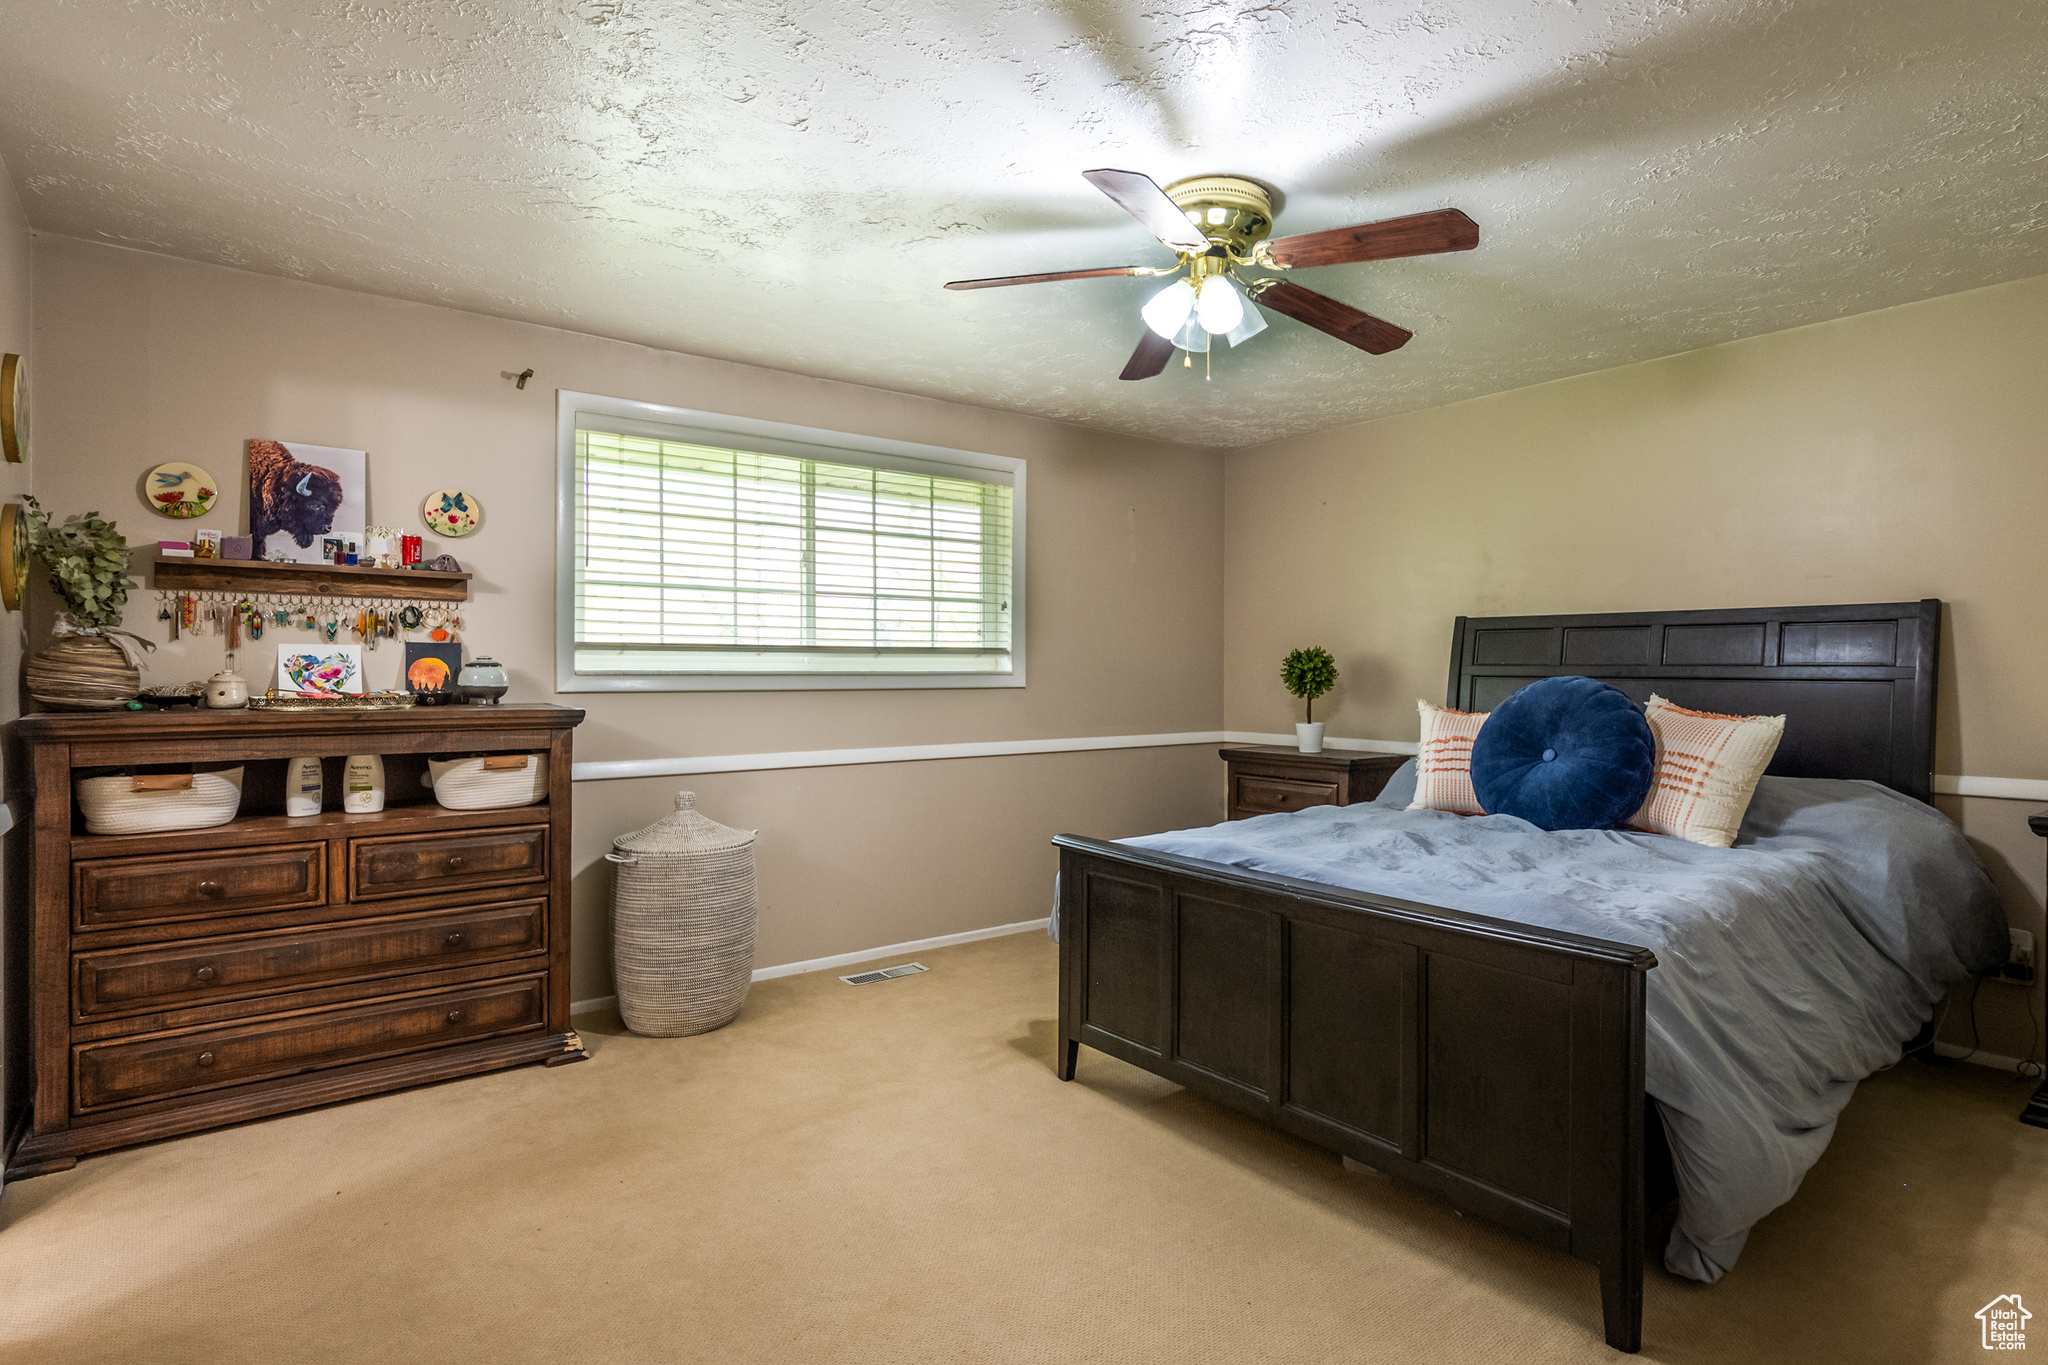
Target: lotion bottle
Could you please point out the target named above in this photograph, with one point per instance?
(305, 787)
(362, 784)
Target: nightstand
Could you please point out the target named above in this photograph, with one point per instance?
(2036, 1111)
(1265, 778)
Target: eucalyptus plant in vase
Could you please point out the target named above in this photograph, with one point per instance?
(1308, 674)
(92, 666)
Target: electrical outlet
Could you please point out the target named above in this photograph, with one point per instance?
(2019, 967)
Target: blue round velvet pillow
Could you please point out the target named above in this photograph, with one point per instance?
(1565, 753)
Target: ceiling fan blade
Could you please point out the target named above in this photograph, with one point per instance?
(1340, 320)
(1150, 358)
(1000, 280)
(1140, 196)
(1419, 234)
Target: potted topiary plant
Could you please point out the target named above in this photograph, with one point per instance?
(92, 666)
(1309, 673)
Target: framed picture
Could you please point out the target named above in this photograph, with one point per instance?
(326, 670)
(431, 669)
(301, 496)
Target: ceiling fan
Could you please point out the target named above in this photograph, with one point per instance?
(1218, 226)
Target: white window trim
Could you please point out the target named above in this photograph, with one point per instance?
(881, 452)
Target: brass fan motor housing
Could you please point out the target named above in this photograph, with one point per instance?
(1230, 211)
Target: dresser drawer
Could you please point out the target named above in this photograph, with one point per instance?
(1264, 795)
(116, 892)
(136, 1069)
(126, 980)
(416, 864)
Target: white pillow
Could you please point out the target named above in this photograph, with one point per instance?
(1707, 769)
(1443, 766)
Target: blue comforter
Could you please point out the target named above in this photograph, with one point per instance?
(1789, 966)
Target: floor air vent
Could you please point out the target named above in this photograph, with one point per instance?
(886, 974)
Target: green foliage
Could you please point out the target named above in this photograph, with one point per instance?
(1308, 674)
(87, 559)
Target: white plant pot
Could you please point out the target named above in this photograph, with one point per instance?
(1309, 734)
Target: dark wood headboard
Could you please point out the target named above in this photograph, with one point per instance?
(1854, 683)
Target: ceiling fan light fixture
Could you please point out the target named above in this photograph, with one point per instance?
(1219, 306)
(1166, 312)
(1191, 338)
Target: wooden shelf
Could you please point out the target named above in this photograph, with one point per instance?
(315, 580)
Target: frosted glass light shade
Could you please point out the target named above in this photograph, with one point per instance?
(1220, 307)
(1166, 312)
(1253, 324)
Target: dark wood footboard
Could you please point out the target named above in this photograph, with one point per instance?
(1499, 1064)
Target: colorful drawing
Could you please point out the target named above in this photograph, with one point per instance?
(180, 490)
(451, 512)
(334, 671)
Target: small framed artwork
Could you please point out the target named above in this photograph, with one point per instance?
(181, 490)
(431, 669)
(300, 495)
(451, 512)
(321, 670)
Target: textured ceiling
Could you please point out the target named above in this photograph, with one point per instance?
(789, 184)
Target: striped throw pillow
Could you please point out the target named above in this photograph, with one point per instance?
(1443, 765)
(1707, 769)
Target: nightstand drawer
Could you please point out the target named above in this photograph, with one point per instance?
(205, 1059)
(1265, 795)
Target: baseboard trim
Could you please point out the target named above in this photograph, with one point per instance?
(819, 964)
(1978, 1058)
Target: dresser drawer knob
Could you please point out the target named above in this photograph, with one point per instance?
(206, 1059)
(204, 973)
(210, 888)
(455, 939)
(454, 1016)
(454, 861)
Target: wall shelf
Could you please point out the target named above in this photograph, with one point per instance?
(310, 580)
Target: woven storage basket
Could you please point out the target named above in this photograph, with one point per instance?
(466, 784)
(682, 923)
(113, 806)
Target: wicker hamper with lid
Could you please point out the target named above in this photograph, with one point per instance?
(683, 905)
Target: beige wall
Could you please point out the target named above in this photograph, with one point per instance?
(144, 359)
(1890, 456)
(14, 338)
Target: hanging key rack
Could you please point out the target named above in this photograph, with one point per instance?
(243, 599)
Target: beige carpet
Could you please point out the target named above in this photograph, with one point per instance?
(890, 1173)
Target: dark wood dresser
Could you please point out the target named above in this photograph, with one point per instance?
(159, 984)
(1267, 778)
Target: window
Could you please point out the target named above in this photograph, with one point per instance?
(704, 551)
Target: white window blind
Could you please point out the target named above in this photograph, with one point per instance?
(699, 555)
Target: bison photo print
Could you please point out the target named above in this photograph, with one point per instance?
(300, 495)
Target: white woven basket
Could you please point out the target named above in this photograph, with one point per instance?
(683, 906)
(466, 784)
(113, 806)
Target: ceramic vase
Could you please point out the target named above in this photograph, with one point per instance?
(82, 673)
(1309, 735)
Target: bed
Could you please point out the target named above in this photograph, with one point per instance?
(1500, 1058)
